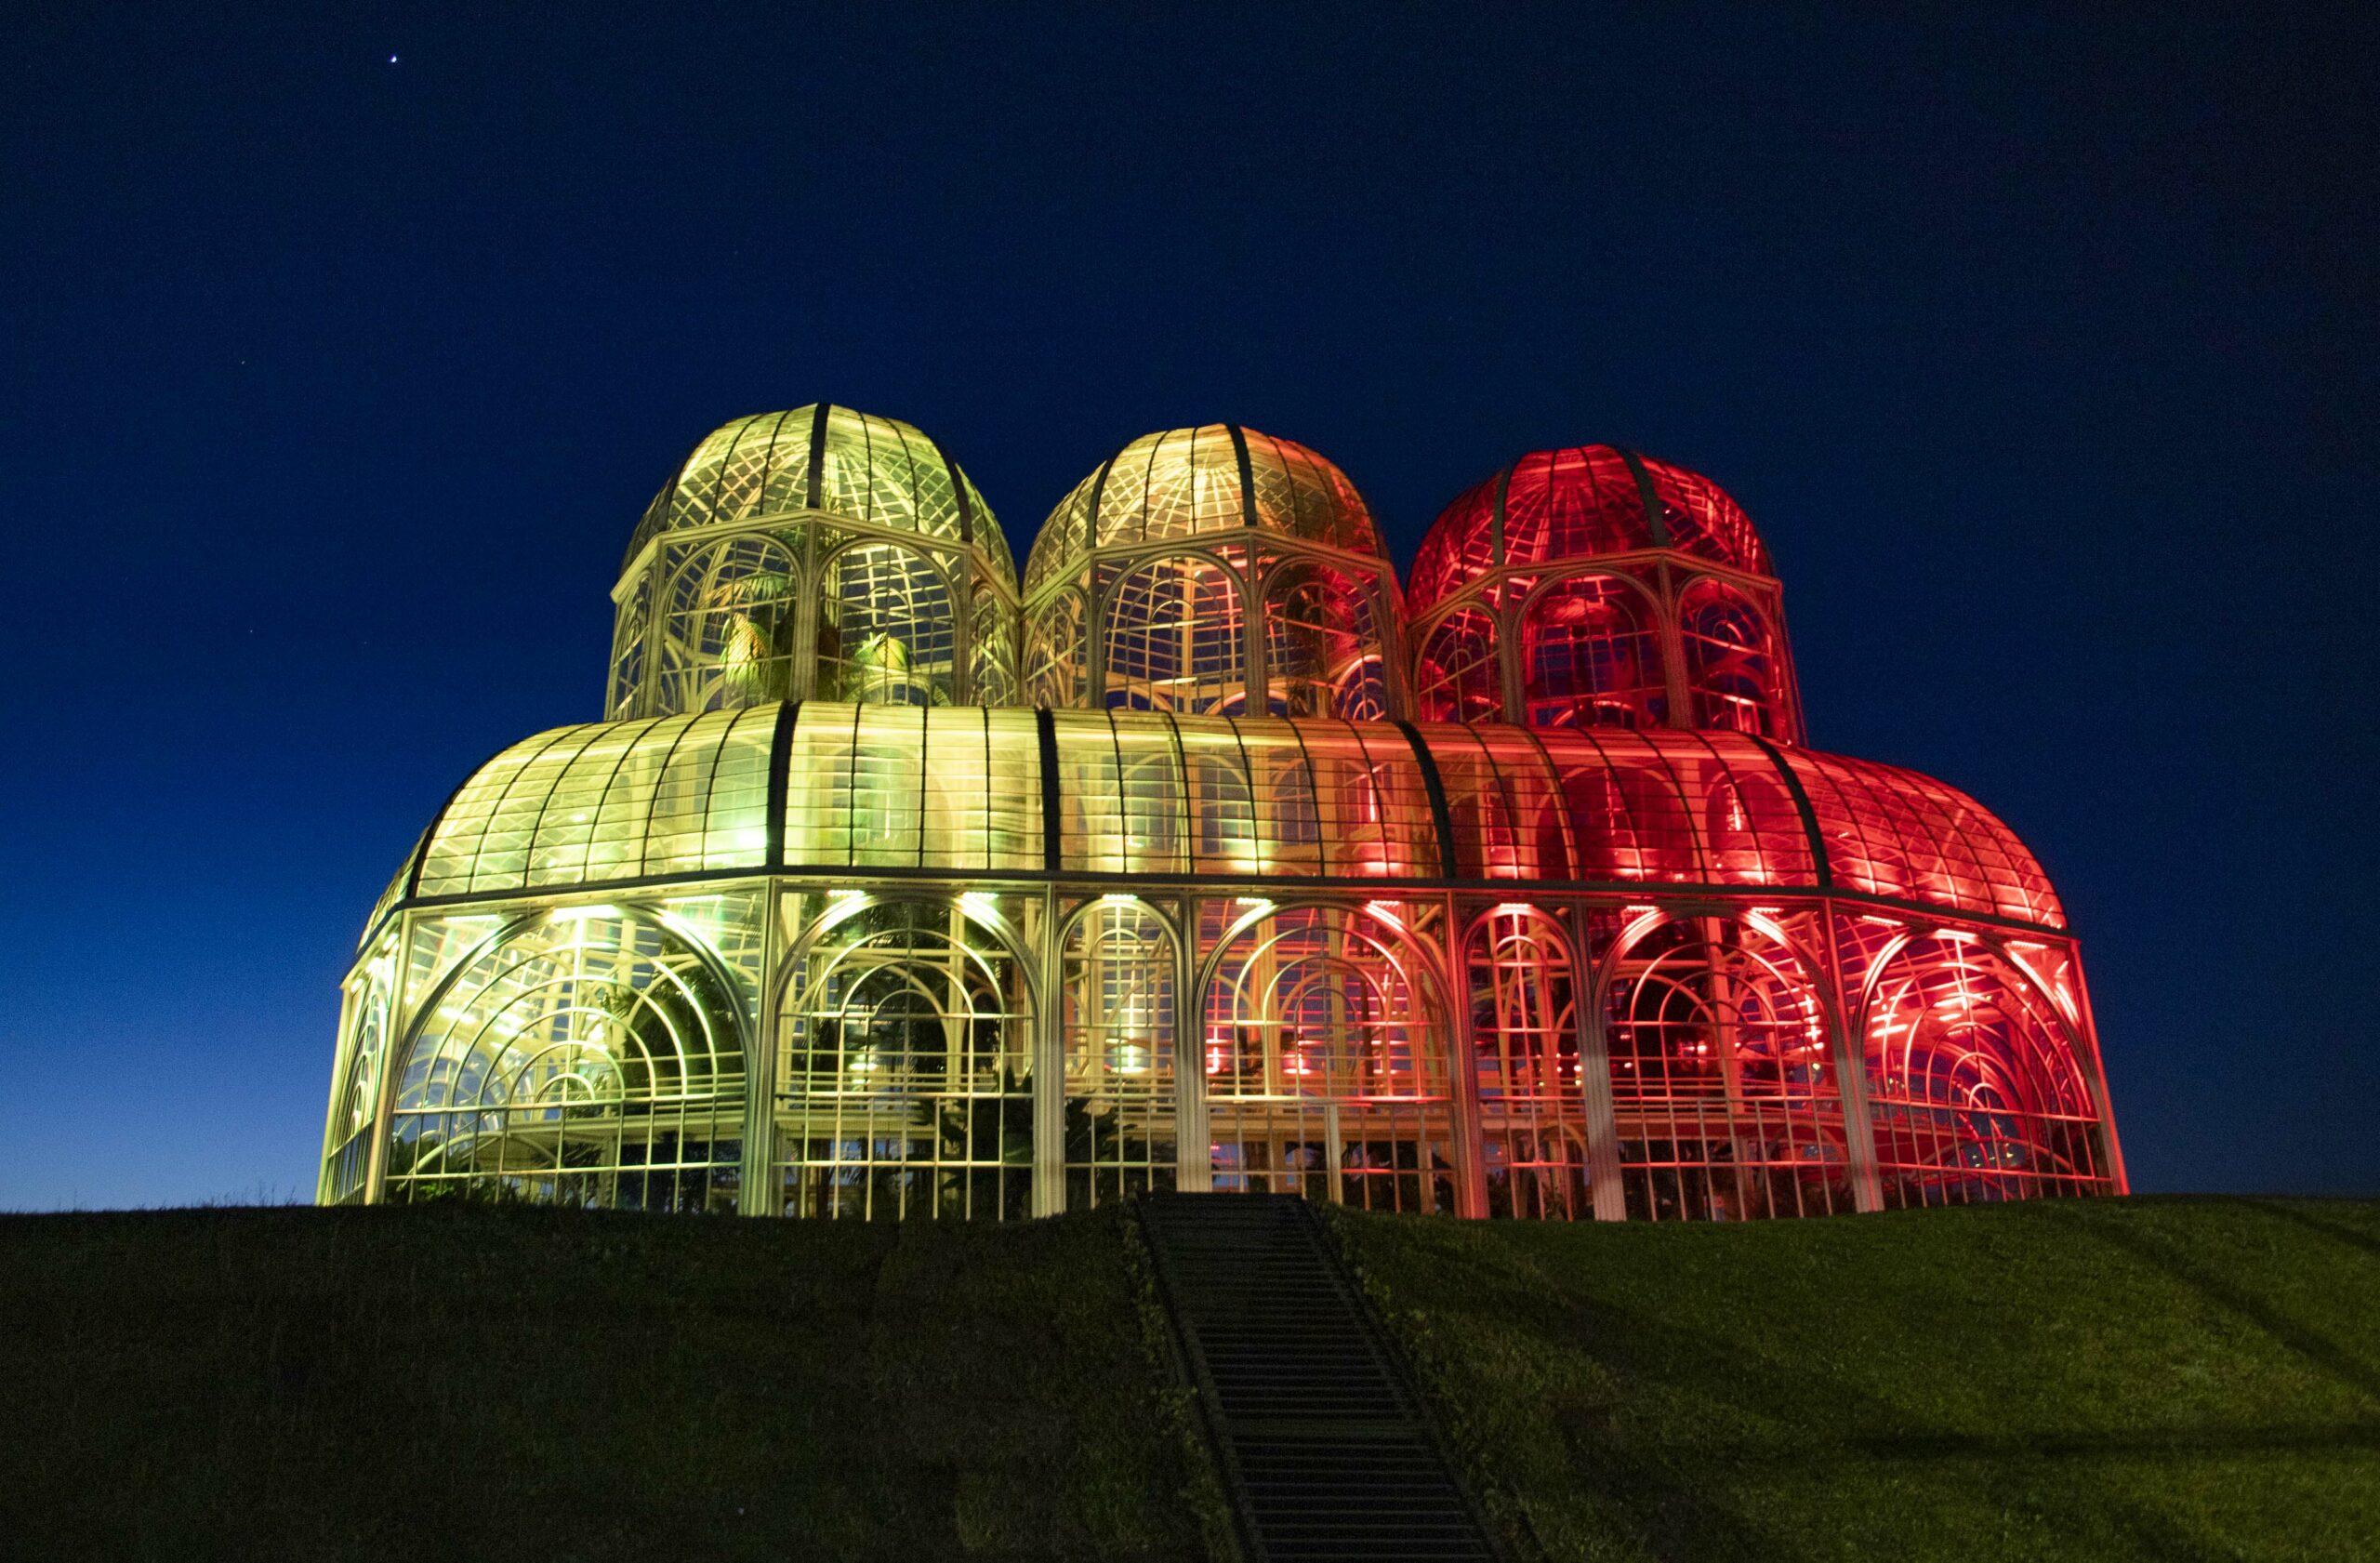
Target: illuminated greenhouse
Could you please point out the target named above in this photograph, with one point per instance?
(892, 889)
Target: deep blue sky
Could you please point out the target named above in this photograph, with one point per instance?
(2042, 352)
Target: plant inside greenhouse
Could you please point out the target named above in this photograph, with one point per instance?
(1206, 855)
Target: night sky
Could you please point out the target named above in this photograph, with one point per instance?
(2042, 351)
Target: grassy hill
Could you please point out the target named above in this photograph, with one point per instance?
(2153, 1379)
(475, 1383)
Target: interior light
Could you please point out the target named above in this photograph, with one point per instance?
(580, 914)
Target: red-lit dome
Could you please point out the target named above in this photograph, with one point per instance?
(1587, 501)
(1592, 586)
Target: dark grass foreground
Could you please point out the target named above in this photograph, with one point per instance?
(2169, 1380)
(519, 1384)
(2165, 1379)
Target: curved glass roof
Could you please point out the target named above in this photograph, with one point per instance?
(1184, 483)
(1557, 505)
(1143, 794)
(876, 471)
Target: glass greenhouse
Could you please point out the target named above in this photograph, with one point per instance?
(1528, 902)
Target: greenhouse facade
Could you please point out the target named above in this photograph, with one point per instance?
(894, 888)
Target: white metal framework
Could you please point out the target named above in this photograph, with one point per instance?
(820, 924)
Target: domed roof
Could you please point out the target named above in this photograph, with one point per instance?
(876, 470)
(792, 788)
(1183, 483)
(1555, 504)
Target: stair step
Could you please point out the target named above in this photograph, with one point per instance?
(1320, 1439)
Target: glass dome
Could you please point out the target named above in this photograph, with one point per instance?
(1592, 586)
(822, 922)
(1183, 483)
(878, 471)
(1553, 506)
(1214, 570)
(819, 551)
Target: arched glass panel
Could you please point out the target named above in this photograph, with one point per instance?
(1722, 1082)
(1057, 666)
(1589, 657)
(629, 636)
(1525, 1033)
(887, 630)
(1730, 661)
(1702, 518)
(1458, 549)
(728, 627)
(1456, 679)
(592, 1059)
(1974, 1087)
(1117, 1020)
(905, 1071)
(992, 658)
(1323, 649)
(1173, 641)
(355, 1109)
(1564, 504)
(1326, 1063)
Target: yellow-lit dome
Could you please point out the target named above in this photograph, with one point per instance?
(878, 471)
(1183, 483)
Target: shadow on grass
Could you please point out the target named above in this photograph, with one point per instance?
(2319, 1350)
(2313, 1222)
(1607, 1421)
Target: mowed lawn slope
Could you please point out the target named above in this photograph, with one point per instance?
(460, 1382)
(2166, 1379)
(2151, 1379)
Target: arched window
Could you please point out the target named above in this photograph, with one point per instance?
(1457, 677)
(1057, 668)
(1525, 1033)
(1118, 1020)
(1589, 657)
(992, 661)
(1730, 661)
(356, 1109)
(589, 1059)
(627, 649)
(728, 627)
(1974, 1088)
(886, 629)
(905, 1071)
(1722, 1087)
(1172, 639)
(1327, 1065)
(1322, 645)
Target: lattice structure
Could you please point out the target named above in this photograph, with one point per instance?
(820, 552)
(822, 927)
(1214, 570)
(1596, 588)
